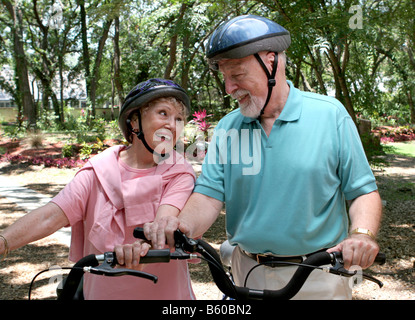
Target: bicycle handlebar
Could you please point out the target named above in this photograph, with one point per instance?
(300, 276)
(184, 244)
(188, 248)
(91, 264)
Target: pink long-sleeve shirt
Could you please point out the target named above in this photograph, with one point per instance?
(105, 201)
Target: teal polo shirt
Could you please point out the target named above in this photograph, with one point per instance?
(286, 193)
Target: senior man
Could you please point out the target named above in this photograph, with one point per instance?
(306, 163)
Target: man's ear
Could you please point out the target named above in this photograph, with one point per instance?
(270, 57)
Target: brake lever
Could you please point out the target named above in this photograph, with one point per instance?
(180, 239)
(338, 268)
(184, 243)
(373, 279)
(184, 247)
(107, 269)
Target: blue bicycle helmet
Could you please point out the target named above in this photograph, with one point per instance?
(247, 35)
(140, 96)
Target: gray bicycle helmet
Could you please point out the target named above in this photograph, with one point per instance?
(248, 35)
(140, 96)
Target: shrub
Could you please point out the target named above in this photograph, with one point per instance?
(395, 134)
(35, 139)
(67, 150)
(46, 161)
(85, 151)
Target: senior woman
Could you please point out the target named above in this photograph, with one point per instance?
(120, 189)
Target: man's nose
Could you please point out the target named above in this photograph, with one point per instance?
(230, 86)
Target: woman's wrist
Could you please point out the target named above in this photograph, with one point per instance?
(4, 247)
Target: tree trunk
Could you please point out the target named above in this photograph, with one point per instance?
(21, 73)
(172, 57)
(315, 65)
(411, 106)
(221, 86)
(341, 81)
(173, 44)
(61, 84)
(85, 49)
(97, 63)
(117, 62)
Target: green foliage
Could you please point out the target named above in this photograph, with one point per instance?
(90, 132)
(67, 150)
(13, 131)
(47, 121)
(167, 38)
(112, 130)
(98, 128)
(84, 129)
(372, 147)
(87, 149)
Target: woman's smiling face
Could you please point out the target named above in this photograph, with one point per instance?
(163, 121)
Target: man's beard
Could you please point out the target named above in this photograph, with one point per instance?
(252, 107)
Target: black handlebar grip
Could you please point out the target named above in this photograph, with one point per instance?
(139, 233)
(380, 258)
(156, 256)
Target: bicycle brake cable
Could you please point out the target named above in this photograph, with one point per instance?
(282, 263)
(46, 270)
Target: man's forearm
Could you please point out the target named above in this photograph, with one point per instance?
(366, 212)
(200, 213)
(360, 249)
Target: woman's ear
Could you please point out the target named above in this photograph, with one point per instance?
(133, 122)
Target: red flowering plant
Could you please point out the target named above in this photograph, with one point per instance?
(199, 141)
(46, 161)
(199, 119)
(395, 134)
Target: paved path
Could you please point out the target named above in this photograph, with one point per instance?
(29, 200)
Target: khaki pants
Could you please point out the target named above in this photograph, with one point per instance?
(319, 285)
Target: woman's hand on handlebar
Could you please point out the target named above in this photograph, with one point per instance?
(161, 231)
(128, 255)
(357, 250)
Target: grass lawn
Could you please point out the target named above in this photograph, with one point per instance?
(401, 148)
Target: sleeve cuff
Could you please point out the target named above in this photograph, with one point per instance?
(210, 192)
(361, 191)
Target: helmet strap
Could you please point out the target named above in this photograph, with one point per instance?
(140, 136)
(270, 76)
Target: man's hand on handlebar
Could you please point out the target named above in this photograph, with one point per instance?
(128, 255)
(161, 231)
(358, 250)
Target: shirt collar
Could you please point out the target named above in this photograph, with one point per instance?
(292, 108)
